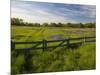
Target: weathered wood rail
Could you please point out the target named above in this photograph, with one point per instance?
(28, 56)
(45, 46)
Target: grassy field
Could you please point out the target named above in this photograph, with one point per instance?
(59, 59)
(49, 33)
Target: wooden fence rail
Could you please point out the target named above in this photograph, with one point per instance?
(28, 56)
(45, 43)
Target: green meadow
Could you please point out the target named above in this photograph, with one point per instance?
(53, 60)
(52, 37)
(25, 33)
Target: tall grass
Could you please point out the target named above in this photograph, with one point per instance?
(52, 60)
(59, 59)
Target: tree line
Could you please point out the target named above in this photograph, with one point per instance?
(20, 22)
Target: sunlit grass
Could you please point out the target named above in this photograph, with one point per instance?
(53, 60)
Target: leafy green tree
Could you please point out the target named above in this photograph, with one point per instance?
(36, 24)
(20, 22)
(53, 24)
(45, 24)
(16, 21)
(60, 25)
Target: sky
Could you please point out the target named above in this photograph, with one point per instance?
(42, 12)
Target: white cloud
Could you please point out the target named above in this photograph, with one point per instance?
(37, 13)
(90, 11)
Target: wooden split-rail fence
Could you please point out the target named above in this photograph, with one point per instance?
(45, 46)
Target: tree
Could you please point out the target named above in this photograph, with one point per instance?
(81, 25)
(90, 25)
(16, 21)
(53, 24)
(20, 22)
(36, 24)
(60, 25)
(45, 24)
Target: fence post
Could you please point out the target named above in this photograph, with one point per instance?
(28, 61)
(84, 39)
(44, 45)
(12, 45)
(68, 43)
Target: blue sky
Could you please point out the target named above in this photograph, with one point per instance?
(42, 12)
